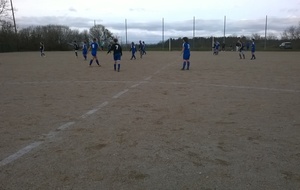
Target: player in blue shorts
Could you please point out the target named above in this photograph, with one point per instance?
(133, 50)
(253, 49)
(117, 49)
(186, 53)
(84, 50)
(94, 47)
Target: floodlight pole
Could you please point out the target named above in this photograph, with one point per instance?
(266, 27)
(13, 14)
(163, 33)
(194, 21)
(224, 29)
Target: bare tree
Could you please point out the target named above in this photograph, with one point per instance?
(103, 35)
(4, 8)
(291, 33)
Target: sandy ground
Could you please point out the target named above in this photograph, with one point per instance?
(224, 124)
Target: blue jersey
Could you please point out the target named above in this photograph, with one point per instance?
(186, 48)
(253, 47)
(94, 47)
(84, 49)
(133, 48)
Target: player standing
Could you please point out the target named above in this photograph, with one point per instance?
(253, 49)
(42, 49)
(84, 50)
(76, 47)
(94, 47)
(241, 48)
(141, 49)
(144, 48)
(117, 49)
(186, 53)
(133, 50)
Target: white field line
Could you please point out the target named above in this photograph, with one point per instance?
(52, 134)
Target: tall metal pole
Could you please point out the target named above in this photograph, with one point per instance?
(194, 32)
(13, 14)
(266, 26)
(163, 33)
(224, 29)
(126, 32)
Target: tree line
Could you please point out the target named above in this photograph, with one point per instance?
(60, 38)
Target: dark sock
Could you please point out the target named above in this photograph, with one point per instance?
(91, 62)
(115, 67)
(97, 61)
(188, 65)
(119, 65)
(183, 66)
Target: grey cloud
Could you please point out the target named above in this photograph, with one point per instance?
(71, 9)
(152, 31)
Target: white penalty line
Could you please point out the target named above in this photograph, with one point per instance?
(53, 134)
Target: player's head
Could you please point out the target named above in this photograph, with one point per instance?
(253, 39)
(94, 39)
(185, 39)
(115, 40)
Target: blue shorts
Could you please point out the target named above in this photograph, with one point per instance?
(117, 57)
(186, 56)
(94, 53)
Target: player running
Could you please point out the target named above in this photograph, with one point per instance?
(117, 49)
(84, 50)
(133, 50)
(76, 47)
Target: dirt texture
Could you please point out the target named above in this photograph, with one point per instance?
(224, 124)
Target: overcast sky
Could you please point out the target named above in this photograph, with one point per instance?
(145, 18)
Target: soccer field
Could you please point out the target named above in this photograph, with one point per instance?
(224, 124)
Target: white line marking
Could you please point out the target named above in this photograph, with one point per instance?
(20, 153)
(135, 85)
(65, 126)
(255, 88)
(52, 134)
(94, 110)
(120, 93)
(148, 78)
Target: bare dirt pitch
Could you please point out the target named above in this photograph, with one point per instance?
(224, 124)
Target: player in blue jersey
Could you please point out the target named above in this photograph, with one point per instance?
(241, 47)
(186, 53)
(216, 48)
(42, 49)
(133, 50)
(94, 47)
(84, 50)
(117, 49)
(253, 49)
